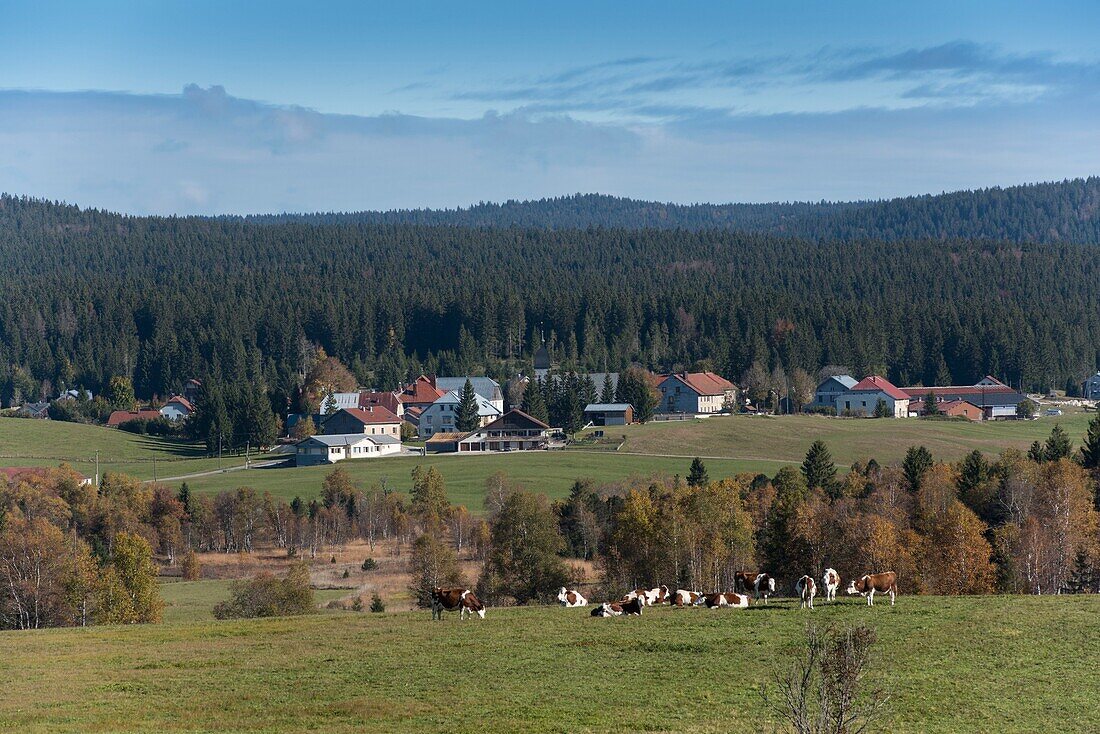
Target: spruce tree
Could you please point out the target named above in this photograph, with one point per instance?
(819, 469)
(534, 402)
(697, 475)
(918, 460)
(588, 390)
(973, 472)
(607, 394)
(930, 407)
(466, 415)
(1090, 449)
(1036, 452)
(1058, 445)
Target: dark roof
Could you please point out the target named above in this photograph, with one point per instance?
(606, 407)
(514, 418)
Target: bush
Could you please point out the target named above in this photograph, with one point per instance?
(266, 595)
(191, 568)
(332, 560)
(357, 605)
(346, 574)
(145, 427)
(369, 564)
(376, 604)
(820, 410)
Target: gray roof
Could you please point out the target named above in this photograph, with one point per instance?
(349, 439)
(606, 407)
(454, 397)
(486, 387)
(846, 380)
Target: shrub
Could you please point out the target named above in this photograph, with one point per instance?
(376, 604)
(346, 574)
(369, 564)
(266, 595)
(332, 560)
(192, 569)
(357, 605)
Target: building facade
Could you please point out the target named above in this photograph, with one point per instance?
(329, 449)
(863, 398)
(442, 415)
(695, 392)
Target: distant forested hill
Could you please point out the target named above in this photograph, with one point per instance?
(1067, 211)
(85, 295)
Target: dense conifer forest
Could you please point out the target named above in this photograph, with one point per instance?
(1068, 211)
(86, 295)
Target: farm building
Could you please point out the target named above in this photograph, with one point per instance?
(609, 414)
(442, 414)
(863, 398)
(119, 417)
(830, 389)
(177, 408)
(694, 392)
(372, 420)
(329, 449)
(995, 399)
(485, 387)
(1090, 388)
(513, 431)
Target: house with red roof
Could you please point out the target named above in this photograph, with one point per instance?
(995, 399)
(420, 393)
(373, 420)
(177, 408)
(695, 392)
(118, 417)
(863, 398)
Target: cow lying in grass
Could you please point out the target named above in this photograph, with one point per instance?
(684, 598)
(728, 599)
(619, 608)
(571, 598)
(457, 598)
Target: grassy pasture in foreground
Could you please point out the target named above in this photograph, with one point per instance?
(25, 442)
(192, 601)
(1004, 664)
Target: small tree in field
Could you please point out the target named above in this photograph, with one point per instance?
(823, 691)
(191, 568)
(697, 475)
(376, 604)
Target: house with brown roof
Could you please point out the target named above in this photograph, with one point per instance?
(373, 420)
(420, 393)
(695, 392)
(118, 417)
(177, 408)
(863, 398)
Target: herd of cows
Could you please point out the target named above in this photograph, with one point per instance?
(761, 586)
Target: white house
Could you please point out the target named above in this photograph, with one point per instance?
(694, 392)
(330, 449)
(177, 408)
(486, 387)
(441, 416)
(830, 389)
(864, 396)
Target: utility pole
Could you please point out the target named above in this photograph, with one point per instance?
(97, 468)
(246, 446)
(154, 469)
(219, 451)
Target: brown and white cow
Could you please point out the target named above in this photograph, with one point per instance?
(726, 599)
(684, 598)
(805, 589)
(456, 598)
(571, 598)
(628, 607)
(830, 581)
(761, 584)
(649, 597)
(884, 583)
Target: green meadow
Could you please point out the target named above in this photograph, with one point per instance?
(962, 664)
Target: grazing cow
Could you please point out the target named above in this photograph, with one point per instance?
(619, 608)
(831, 581)
(571, 598)
(649, 597)
(867, 585)
(806, 589)
(464, 600)
(761, 584)
(727, 599)
(683, 598)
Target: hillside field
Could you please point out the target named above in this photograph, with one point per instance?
(26, 442)
(963, 664)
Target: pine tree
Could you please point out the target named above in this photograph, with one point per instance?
(466, 416)
(588, 390)
(1090, 449)
(534, 402)
(1058, 445)
(819, 469)
(973, 472)
(697, 475)
(1036, 452)
(607, 394)
(930, 407)
(918, 460)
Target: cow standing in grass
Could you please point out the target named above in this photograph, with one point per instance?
(571, 598)
(762, 584)
(805, 589)
(830, 581)
(884, 583)
(456, 598)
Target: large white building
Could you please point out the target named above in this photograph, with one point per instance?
(864, 397)
(442, 415)
(330, 449)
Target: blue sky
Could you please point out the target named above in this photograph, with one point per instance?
(255, 107)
